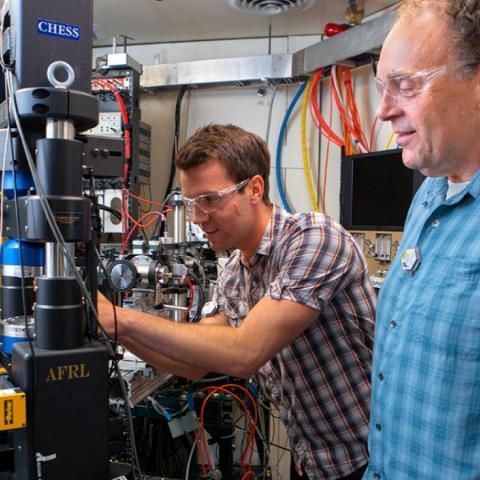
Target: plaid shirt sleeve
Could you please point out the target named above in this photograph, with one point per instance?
(318, 262)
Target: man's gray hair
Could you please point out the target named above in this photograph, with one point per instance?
(465, 22)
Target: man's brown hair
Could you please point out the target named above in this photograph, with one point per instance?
(242, 153)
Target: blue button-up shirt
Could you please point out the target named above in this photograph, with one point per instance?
(425, 419)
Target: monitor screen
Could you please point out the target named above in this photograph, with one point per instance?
(376, 190)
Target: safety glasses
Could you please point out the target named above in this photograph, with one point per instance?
(410, 85)
(209, 202)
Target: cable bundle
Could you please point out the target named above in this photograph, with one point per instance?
(247, 454)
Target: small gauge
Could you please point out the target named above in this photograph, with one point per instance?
(122, 275)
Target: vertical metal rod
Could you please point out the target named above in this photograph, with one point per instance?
(56, 264)
(60, 129)
(179, 300)
(176, 218)
(178, 223)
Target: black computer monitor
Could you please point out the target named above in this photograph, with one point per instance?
(376, 190)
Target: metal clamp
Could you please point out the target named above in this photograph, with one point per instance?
(60, 65)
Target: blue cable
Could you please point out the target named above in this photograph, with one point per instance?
(280, 143)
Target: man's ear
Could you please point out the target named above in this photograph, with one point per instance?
(256, 187)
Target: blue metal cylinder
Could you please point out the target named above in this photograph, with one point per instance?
(24, 182)
(33, 253)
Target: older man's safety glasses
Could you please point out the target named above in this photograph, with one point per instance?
(209, 202)
(410, 85)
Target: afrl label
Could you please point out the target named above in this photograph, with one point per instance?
(55, 29)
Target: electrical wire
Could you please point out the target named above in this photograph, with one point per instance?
(114, 212)
(348, 113)
(2, 188)
(200, 268)
(160, 409)
(138, 223)
(201, 297)
(390, 140)
(190, 456)
(281, 136)
(327, 157)
(192, 295)
(317, 116)
(306, 160)
(227, 388)
(178, 105)
(9, 141)
(137, 471)
(352, 106)
(270, 110)
(5, 6)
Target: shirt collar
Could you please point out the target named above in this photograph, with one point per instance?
(439, 186)
(474, 187)
(265, 245)
(277, 219)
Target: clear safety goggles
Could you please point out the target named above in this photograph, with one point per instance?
(208, 202)
(410, 85)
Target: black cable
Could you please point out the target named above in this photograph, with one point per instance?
(115, 367)
(201, 291)
(9, 95)
(114, 212)
(161, 220)
(178, 105)
(201, 300)
(110, 291)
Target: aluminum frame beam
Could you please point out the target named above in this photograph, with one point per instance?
(343, 48)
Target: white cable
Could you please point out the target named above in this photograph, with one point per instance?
(269, 118)
(4, 162)
(133, 445)
(2, 191)
(159, 408)
(4, 8)
(190, 458)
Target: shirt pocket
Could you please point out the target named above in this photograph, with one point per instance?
(449, 315)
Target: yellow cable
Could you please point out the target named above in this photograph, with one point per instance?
(389, 143)
(306, 163)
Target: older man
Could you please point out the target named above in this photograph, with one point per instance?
(425, 420)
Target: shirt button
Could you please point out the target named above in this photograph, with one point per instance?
(378, 426)
(393, 324)
(377, 476)
(380, 376)
(435, 223)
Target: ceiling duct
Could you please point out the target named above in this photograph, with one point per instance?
(269, 7)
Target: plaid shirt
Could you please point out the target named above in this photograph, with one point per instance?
(320, 383)
(425, 421)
